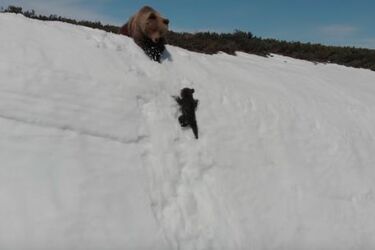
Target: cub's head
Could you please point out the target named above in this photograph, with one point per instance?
(187, 93)
(155, 26)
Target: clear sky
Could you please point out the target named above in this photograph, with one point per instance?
(336, 22)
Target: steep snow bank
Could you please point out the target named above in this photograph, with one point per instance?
(92, 156)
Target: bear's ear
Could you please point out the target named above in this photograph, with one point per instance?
(192, 91)
(152, 16)
(166, 21)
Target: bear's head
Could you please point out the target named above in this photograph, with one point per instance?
(187, 93)
(156, 26)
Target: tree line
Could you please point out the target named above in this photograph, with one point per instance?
(212, 43)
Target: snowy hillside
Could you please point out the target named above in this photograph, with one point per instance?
(92, 155)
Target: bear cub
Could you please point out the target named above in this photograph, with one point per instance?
(148, 30)
(188, 106)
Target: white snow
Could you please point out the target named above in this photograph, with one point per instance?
(92, 155)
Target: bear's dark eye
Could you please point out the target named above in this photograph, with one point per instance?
(166, 21)
(152, 16)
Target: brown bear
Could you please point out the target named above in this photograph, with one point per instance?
(148, 29)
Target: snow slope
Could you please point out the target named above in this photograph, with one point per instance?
(92, 155)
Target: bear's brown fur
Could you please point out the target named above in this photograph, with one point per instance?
(147, 27)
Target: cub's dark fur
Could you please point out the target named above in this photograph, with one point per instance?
(188, 106)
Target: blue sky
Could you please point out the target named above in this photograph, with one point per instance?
(335, 22)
